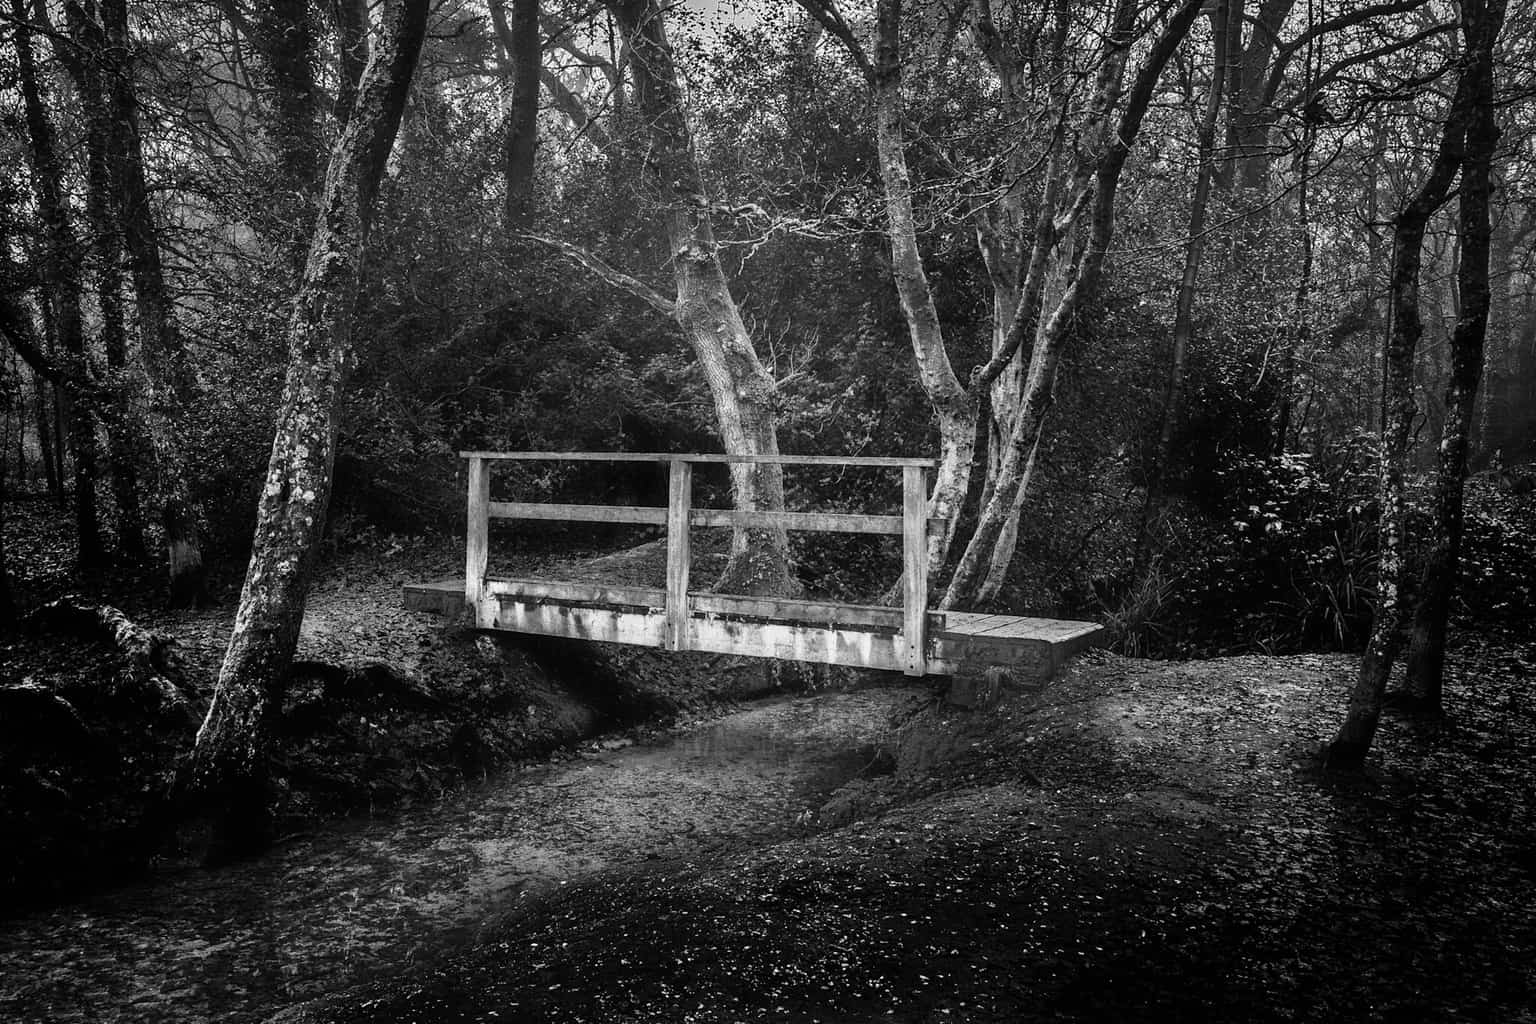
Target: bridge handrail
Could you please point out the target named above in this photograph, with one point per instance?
(913, 524)
(879, 461)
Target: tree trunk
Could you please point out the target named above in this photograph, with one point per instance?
(1184, 308)
(83, 60)
(955, 408)
(1496, 360)
(64, 274)
(743, 391)
(284, 35)
(985, 559)
(1251, 116)
(1293, 343)
(1481, 24)
(7, 602)
(1019, 282)
(350, 18)
(1353, 740)
(168, 381)
(45, 439)
(523, 42)
(230, 759)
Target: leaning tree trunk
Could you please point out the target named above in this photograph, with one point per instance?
(230, 759)
(64, 274)
(168, 379)
(984, 562)
(1020, 285)
(1426, 650)
(954, 406)
(1353, 740)
(743, 392)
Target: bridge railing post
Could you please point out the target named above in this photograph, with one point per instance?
(914, 566)
(679, 509)
(477, 536)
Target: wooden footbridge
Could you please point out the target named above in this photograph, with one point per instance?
(912, 639)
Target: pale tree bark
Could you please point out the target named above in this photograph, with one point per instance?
(62, 260)
(1020, 278)
(984, 562)
(168, 381)
(743, 392)
(1184, 307)
(1017, 283)
(1482, 21)
(955, 407)
(230, 759)
(1353, 740)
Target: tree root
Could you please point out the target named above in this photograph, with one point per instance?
(146, 654)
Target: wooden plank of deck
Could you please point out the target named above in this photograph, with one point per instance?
(965, 624)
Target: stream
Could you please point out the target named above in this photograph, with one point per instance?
(362, 897)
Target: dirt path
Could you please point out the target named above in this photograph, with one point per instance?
(322, 912)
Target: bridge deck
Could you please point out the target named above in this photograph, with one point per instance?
(833, 633)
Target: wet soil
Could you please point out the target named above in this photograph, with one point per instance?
(329, 909)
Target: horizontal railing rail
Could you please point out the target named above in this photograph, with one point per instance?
(875, 461)
(656, 515)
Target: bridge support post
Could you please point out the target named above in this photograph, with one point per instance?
(477, 539)
(679, 508)
(914, 565)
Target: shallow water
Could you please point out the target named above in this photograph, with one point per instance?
(240, 943)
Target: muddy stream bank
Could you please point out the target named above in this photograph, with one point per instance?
(346, 904)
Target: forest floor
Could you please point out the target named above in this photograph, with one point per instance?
(1141, 841)
(385, 708)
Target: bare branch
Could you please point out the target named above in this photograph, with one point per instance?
(571, 105)
(831, 19)
(636, 287)
(1325, 27)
